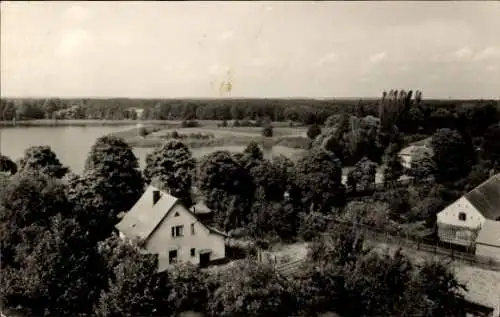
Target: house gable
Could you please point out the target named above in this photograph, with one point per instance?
(186, 236)
(453, 215)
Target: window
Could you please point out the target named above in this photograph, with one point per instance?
(176, 214)
(172, 256)
(193, 252)
(462, 216)
(192, 229)
(177, 231)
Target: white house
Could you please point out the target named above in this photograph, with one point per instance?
(164, 226)
(461, 222)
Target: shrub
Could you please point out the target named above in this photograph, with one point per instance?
(267, 131)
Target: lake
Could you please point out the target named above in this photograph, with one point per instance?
(72, 144)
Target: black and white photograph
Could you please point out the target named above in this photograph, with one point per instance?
(250, 159)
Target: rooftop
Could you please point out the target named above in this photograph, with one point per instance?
(486, 198)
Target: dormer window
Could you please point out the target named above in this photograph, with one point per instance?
(462, 216)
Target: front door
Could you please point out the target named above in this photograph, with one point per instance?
(204, 259)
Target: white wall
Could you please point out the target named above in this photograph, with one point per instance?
(161, 241)
(460, 233)
(449, 215)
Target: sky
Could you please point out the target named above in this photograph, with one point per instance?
(263, 49)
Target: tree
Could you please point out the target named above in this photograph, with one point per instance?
(43, 159)
(48, 262)
(112, 163)
(172, 166)
(439, 285)
(27, 204)
(319, 175)
(363, 175)
(135, 288)
(267, 130)
(270, 180)
(273, 219)
(491, 145)
(451, 154)
(228, 187)
(375, 284)
(393, 167)
(422, 165)
(313, 131)
(250, 289)
(253, 152)
(188, 288)
(7, 165)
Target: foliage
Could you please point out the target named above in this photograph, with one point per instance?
(134, 288)
(41, 158)
(7, 165)
(422, 165)
(362, 176)
(273, 218)
(172, 167)
(313, 131)
(452, 155)
(227, 186)
(393, 168)
(48, 263)
(250, 289)
(491, 145)
(319, 175)
(112, 164)
(267, 131)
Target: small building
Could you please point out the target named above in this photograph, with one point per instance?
(164, 226)
(488, 240)
(461, 222)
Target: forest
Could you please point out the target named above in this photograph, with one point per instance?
(61, 255)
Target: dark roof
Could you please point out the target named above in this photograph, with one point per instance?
(486, 197)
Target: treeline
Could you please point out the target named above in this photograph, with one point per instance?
(425, 115)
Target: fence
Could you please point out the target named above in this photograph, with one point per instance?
(423, 244)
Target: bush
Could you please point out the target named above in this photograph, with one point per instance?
(267, 131)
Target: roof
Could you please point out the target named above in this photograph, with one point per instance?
(486, 197)
(144, 217)
(489, 233)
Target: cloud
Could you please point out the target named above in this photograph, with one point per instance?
(326, 59)
(462, 53)
(492, 52)
(76, 13)
(377, 58)
(226, 35)
(73, 42)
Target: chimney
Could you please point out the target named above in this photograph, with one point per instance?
(156, 196)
